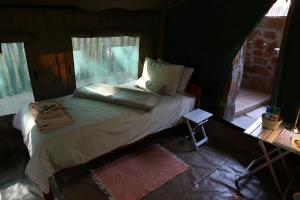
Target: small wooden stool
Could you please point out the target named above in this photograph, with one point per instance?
(198, 117)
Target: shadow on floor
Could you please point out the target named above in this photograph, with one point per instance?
(213, 169)
(14, 184)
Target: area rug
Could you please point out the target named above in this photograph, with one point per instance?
(133, 176)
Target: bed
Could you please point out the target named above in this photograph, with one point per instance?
(99, 128)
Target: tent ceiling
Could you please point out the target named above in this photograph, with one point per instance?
(95, 5)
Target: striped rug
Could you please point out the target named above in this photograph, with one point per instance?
(135, 175)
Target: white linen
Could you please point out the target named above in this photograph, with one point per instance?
(98, 129)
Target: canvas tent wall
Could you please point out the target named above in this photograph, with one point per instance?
(210, 35)
(205, 35)
(49, 49)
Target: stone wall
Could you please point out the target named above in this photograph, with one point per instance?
(262, 52)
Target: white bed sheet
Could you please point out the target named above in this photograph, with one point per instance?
(98, 129)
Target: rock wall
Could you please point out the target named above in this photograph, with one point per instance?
(262, 52)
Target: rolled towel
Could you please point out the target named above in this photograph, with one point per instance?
(38, 108)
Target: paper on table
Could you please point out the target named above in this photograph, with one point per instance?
(286, 139)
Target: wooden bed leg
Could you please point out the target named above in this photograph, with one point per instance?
(48, 196)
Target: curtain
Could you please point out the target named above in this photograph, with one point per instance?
(280, 8)
(234, 86)
(14, 76)
(110, 60)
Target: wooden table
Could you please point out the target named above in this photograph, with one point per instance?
(197, 117)
(280, 150)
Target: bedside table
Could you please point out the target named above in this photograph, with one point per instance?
(197, 117)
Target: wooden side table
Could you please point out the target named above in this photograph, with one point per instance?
(197, 117)
(279, 151)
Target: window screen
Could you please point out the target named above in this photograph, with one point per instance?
(15, 86)
(109, 60)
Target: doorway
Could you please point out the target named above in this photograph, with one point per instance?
(259, 57)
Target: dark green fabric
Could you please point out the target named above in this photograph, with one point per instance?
(52, 30)
(288, 92)
(207, 35)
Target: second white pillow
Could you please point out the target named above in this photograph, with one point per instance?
(167, 74)
(184, 79)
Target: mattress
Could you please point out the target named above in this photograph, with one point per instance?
(99, 128)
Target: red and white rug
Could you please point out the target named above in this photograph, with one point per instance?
(133, 176)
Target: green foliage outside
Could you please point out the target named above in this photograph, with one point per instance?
(14, 76)
(111, 60)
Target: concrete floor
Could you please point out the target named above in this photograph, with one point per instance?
(249, 106)
(248, 100)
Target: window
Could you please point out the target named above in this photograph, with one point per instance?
(15, 86)
(279, 8)
(109, 60)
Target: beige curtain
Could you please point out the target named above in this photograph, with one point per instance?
(236, 79)
(14, 76)
(279, 9)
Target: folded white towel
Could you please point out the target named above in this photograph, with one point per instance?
(50, 115)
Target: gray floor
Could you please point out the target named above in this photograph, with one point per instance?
(213, 170)
(211, 176)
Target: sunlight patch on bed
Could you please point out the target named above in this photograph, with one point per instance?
(104, 90)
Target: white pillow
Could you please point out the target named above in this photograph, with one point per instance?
(167, 74)
(185, 76)
(184, 79)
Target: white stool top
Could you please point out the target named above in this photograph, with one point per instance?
(197, 115)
